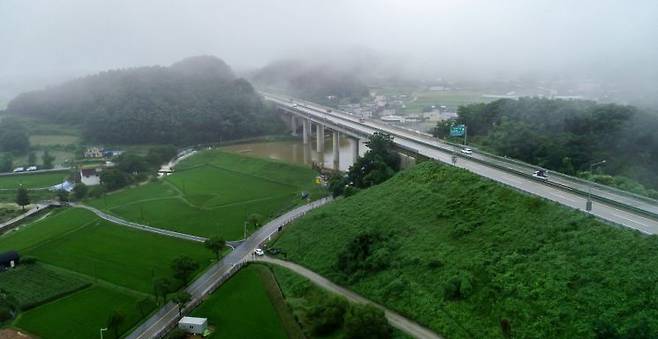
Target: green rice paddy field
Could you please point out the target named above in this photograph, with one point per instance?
(241, 308)
(36, 180)
(213, 193)
(118, 262)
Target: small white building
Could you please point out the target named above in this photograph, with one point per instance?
(193, 325)
(94, 152)
(90, 176)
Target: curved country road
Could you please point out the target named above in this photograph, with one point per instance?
(165, 318)
(408, 326)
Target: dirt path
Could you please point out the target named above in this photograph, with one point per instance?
(9, 333)
(408, 326)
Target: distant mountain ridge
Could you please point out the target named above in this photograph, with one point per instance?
(312, 81)
(198, 99)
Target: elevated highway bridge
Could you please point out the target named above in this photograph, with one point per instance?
(616, 206)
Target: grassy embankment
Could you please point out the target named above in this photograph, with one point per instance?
(73, 244)
(461, 254)
(213, 193)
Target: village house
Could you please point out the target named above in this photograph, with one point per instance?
(90, 176)
(94, 152)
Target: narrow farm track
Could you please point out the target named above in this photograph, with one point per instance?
(395, 319)
(142, 227)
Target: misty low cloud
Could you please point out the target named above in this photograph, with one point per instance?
(471, 39)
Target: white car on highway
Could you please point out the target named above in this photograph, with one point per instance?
(259, 252)
(467, 151)
(540, 174)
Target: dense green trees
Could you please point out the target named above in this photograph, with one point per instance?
(216, 245)
(567, 136)
(377, 165)
(366, 321)
(160, 154)
(130, 167)
(183, 267)
(22, 197)
(196, 100)
(381, 162)
(47, 159)
(13, 137)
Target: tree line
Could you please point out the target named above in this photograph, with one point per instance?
(196, 100)
(567, 136)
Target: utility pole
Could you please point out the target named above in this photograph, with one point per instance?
(101, 331)
(465, 133)
(588, 204)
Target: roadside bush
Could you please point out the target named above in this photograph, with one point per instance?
(80, 191)
(366, 321)
(458, 287)
(336, 184)
(350, 191)
(327, 316)
(5, 314)
(367, 253)
(28, 260)
(96, 191)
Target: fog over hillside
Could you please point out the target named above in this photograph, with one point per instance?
(475, 40)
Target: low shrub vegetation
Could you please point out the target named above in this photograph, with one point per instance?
(470, 258)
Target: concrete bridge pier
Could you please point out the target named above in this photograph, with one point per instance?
(336, 149)
(319, 146)
(306, 130)
(354, 143)
(293, 125)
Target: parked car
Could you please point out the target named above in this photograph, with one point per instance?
(259, 252)
(467, 151)
(540, 174)
(18, 169)
(31, 168)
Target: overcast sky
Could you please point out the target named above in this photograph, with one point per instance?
(478, 37)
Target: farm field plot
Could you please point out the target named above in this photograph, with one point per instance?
(451, 99)
(34, 284)
(53, 139)
(81, 314)
(37, 180)
(77, 240)
(241, 308)
(213, 193)
(119, 262)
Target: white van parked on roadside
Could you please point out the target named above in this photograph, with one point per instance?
(18, 169)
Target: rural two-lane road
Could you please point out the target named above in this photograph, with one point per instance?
(167, 316)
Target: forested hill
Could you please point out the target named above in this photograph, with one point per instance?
(315, 82)
(569, 135)
(198, 99)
